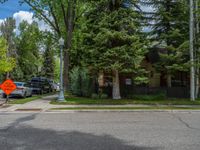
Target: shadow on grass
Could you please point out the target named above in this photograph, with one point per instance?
(21, 137)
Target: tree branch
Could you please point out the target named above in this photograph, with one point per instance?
(40, 12)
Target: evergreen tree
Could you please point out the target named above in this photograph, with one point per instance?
(113, 39)
(48, 69)
(170, 32)
(28, 51)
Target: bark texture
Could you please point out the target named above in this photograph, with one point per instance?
(116, 86)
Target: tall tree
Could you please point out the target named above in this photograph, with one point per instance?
(7, 31)
(169, 24)
(7, 63)
(113, 39)
(28, 51)
(48, 68)
(60, 16)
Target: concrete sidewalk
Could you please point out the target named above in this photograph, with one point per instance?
(43, 105)
(2, 101)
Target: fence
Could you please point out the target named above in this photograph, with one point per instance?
(172, 92)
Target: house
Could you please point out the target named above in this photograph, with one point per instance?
(157, 80)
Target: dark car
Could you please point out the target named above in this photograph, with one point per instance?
(40, 85)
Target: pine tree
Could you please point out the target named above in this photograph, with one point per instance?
(113, 39)
(169, 24)
(48, 68)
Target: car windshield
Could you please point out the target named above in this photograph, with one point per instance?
(19, 83)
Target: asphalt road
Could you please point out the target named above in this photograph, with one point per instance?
(100, 131)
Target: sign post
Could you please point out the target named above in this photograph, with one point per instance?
(8, 87)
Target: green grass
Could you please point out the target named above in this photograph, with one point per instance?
(89, 101)
(29, 99)
(25, 100)
(127, 108)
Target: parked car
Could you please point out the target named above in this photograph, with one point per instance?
(22, 90)
(53, 84)
(40, 85)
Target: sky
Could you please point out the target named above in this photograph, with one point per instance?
(12, 8)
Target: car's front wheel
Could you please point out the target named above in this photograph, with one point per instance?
(24, 96)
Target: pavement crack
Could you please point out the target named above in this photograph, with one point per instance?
(184, 122)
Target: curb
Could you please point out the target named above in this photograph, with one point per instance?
(142, 110)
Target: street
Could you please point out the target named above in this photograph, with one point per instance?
(100, 131)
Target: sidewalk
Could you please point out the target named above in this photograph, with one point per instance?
(43, 105)
(2, 101)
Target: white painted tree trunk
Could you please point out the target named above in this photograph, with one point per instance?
(197, 50)
(116, 86)
(192, 69)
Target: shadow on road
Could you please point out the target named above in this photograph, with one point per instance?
(22, 137)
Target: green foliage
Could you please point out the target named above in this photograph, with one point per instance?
(161, 96)
(28, 50)
(6, 63)
(80, 82)
(103, 96)
(48, 69)
(95, 96)
(99, 96)
(113, 39)
(170, 33)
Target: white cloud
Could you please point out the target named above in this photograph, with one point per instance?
(1, 20)
(28, 16)
(23, 15)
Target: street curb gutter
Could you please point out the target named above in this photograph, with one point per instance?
(142, 110)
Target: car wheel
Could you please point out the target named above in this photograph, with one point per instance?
(24, 96)
(31, 94)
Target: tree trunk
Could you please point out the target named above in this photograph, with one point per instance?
(169, 80)
(197, 49)
(116, 88)
(68, 42)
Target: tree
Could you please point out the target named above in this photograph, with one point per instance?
(28, 51)
(7, 31)
(61, 19)
(48, 68)
(6, 63)
(169, 24)
(113, 39)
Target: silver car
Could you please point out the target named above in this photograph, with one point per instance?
(23, 90)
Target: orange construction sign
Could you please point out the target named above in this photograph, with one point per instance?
(8, 86)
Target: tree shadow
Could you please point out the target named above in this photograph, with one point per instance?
(21, 137)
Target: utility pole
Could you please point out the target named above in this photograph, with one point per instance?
(192, 69)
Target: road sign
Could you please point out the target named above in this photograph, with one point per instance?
(8, 86)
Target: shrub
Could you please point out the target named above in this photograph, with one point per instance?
(161, 96)
(103, 96)
(80, 82)
(95, 96)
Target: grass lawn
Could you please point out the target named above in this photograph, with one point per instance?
(127, 108)
(24, 100)
(29, 99)
(89, 101)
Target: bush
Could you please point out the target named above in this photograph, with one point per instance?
(99, 96)
(95, 96)
(80, 82)
(148, 97)
(103, 96)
